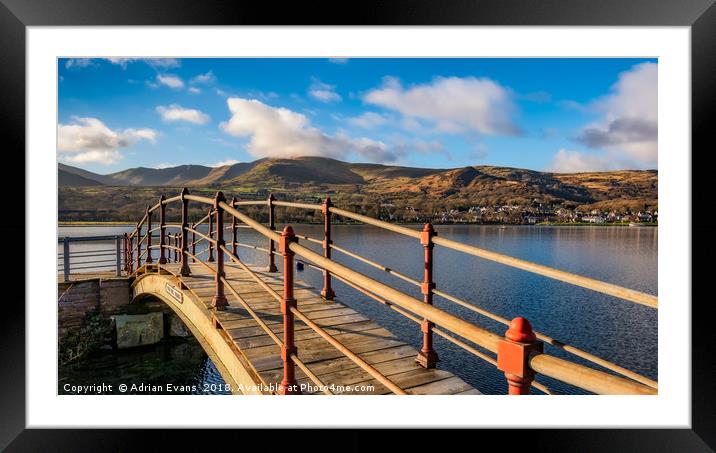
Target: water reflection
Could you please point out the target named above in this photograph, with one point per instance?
(183, 364)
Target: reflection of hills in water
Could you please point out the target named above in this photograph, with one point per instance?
(176, 361)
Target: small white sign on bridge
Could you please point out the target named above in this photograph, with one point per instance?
(175, 293)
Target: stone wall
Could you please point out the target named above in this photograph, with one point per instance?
(76, 300)
(88, 311)
(114, 296)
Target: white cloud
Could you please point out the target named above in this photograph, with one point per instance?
(161, 63)
(323, 92)
(90, 140)
(369, 120)
(452, 104)
(164, 165)
(267, 95)
(225, 162)
(171, 81)
(75, 63)
(404, 146)
(566, 161)
(105, 157)
(629, 125)
(176, 112)
(204, 78)
(147, 134)
(411, 124)
(280, 132)
(194, 90)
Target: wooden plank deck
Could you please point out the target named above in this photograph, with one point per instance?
(373, 343)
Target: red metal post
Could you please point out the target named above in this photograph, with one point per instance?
(193, 243)
(289, 385)
(327, 291)
(139, 245)
(211, 235)
(219, 301)
(427, 357)
(513, 356)
(148, 259)
(234, 231)
(162, 231)
(272, 226)
(185, 271)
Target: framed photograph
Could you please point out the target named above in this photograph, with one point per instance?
(268, 221)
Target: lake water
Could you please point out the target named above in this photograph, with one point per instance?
(619, 331)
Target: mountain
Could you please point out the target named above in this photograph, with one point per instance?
(72, 176)
(182, 175)
(67, 179)
(224, 173)
(368, 186)
(299, 170)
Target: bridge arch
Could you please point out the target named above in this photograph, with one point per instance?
(197, 318)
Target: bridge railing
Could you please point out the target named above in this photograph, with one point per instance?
(104, 255)
(519, 353)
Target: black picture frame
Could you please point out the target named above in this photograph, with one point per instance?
(700, 15)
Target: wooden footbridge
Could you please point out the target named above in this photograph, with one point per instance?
(268, 333)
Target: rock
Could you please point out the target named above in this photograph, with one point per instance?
(177, 328)
(139, 330)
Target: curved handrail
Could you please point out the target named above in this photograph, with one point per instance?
(566, 371)
(546, 338)
(546, 271)
(463, 328)
(255, 247)
(453, 340)
(251, 203)
(289, 204)
(320, 331)
(556, 274)
(271, 334)
(171, 199)
(202, 235)
(477, 335)
(375, 222)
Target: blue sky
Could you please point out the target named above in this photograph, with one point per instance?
(542, 114)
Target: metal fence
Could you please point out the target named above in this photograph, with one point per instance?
(89, 254)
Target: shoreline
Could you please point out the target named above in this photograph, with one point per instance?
(93, 223)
